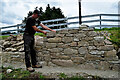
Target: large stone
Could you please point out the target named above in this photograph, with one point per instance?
(18, 44)
(99, 38)
(73, 31)
(65, 31)
(19, 37)
(81, 35)
(78, 60)
(38, 40)
(7, 44)
(103, 65)
(96, 43)
(92, 33)
(106, 48)
(83, 50)
(83, 43)
(92, 47)
(70, 51)
(92, 57)
(54, 40)
(50, 45)
(96, 52)
(51, 34)
(60, 35)
(73, 44)
(56, 50)
(110, 53)
(67, 39)
(61, 45)
(107, 42)
(64, 63)
(10, 49)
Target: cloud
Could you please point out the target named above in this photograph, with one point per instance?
(14, 11)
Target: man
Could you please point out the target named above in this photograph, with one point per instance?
(28, 37)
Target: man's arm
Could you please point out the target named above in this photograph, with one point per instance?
(45, 27)
(38, 30)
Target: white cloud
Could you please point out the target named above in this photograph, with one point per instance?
(13, 11)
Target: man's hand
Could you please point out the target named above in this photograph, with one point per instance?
(54, 31)
(44, 32)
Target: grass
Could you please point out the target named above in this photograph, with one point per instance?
(6, 36)
(115, 34)
(26, 75)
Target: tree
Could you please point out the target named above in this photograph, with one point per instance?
(48, 14)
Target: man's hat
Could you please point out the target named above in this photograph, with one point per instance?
(37, 12)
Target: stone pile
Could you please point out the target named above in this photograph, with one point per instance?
(16, 43)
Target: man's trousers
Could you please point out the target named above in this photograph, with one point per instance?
(29, 50)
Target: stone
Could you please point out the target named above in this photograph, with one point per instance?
(51, 34)
(76, 39)
(65, 31)
(103, 65)
(106, 48)
(83, 43)
(96, 52)
(64, 63)
(67, 39)
(89, 38)
(50, 45)
(88, 29)
(19, 37)
(110, 53)
(96, 43)
(61, 45)
(11, 49)
(56, 50)
(83, 50)
(99, 38)
(73, 44)
(70, 51)
(73, 31)
(69, 35)
(38, 48)
(92, 57)
(38, 40)
(7, 44)
(9, 70)
(78, 60)
(107, 42)
(60, 35)
(79, 36)
(18, 44)
(54, 40)
(92, 33)
(21, 49)
(92, 47)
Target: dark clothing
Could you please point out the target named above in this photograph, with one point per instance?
(29, 42)
(31, 22)
(29, 50)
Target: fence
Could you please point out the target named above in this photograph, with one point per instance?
(93, 18)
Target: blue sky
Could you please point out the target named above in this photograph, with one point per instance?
(14, 11)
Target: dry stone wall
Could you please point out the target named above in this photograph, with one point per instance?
(77, 47)
(81, 47)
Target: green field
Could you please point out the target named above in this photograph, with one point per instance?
(115, 34)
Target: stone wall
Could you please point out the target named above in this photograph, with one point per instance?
(77, 47)
(81, 47)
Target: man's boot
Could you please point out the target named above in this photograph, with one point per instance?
(36, 66)
(30, 69)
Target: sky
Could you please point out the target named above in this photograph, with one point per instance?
(12, 12)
